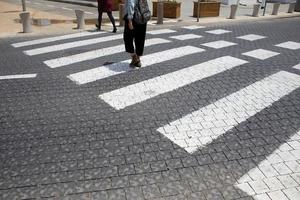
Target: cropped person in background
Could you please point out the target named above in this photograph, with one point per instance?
(105, 6)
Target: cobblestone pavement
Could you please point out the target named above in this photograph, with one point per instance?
(214, 113)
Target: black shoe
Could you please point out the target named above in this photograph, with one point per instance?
(114, 30)
(98, 27)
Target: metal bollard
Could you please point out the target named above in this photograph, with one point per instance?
(24, 5)
(121, 14)
(233, 9)
(80, 19)
(292, 7)
(26, 22)
(275, 8)
(160, 12)
(256, 8)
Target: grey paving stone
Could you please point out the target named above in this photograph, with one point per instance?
(151, 191)
(134, 193)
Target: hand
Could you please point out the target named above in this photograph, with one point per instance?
(130, 26)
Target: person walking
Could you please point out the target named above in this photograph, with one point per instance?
(105, 6)
(133, 33)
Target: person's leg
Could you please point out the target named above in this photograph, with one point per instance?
(99, 16)
(140, 36)
(111, 18)
(128, 38)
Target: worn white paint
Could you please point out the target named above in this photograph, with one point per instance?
(278, 171)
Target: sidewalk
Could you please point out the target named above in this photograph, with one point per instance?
(9, 15)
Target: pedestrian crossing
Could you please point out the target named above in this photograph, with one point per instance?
(54, 39)
(278, 171)
(239, 106)
(122, 67)
(67, 60)
(17, 76)
(144, 90)
(70, 45)
(192, 131)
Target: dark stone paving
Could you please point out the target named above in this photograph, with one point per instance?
(60, 141)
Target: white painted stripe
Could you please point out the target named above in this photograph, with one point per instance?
(297, 66)
(199, 128)
(64, 8)
(161, 31)
(53, 39)
(63, 61)
(90, 13)
(193, 27)
(18, 76)
(260, 54)
(50, 6)
(122, 67)
(251, 37)
(218, 31)
(136, 93)
(289, 45)
(218, 44)
(36, 3)
(186, 37)
(70, 45)
(267, 173)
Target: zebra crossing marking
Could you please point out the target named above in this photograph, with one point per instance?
(251, 37)
(122, 67)
(186, 37)
(297, 66)
(136, 93)
(70, 45)
(17, 76)
(161, 31)
(67, 60)
(193, 27)
(218, 31)
(54, 39)
(268, 172)
(219, 44)
(201, 127)
(64, 8)
(260, 54)
(289, 45)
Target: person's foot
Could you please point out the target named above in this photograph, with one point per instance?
(115, 30)
(98, 27)
(135, 61)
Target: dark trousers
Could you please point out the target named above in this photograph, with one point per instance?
(109, 14)
(138, 35)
